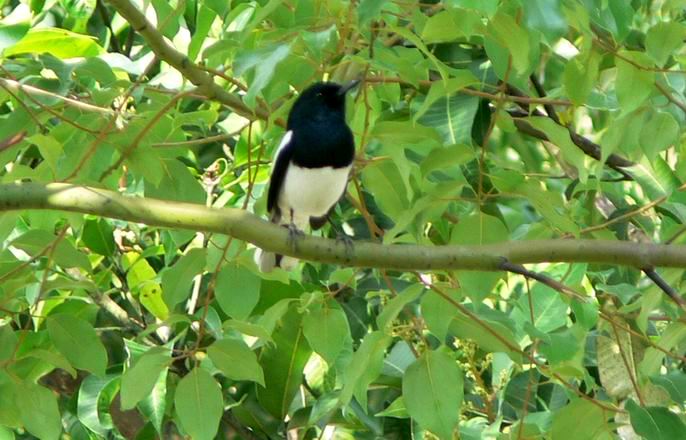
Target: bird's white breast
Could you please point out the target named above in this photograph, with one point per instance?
(311, 192)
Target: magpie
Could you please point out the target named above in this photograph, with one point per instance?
(311, 166)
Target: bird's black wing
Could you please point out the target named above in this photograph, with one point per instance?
(283, 158)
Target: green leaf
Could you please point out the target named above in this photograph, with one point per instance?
(10, 34)
(203, 24)
(138, 381)
(479, 228)
(438, 313)
(154, 405)
(395, 306)
(395, 409)
(52, 358)
(57, 42)
(560, 136)
(235, 360)
(634, 84)
(441, 28)
(177, 184)
(95, 396)
(580, 76)
(655, 422)
(8, 342)
(452, 117)
(369, 9)
(176, 280)
(326, 329)
(49, 148)
(549, 310)
(38, 410)
(237, 291)
(659, 132)
(283, 365)
(568, 418)
(433, 392)
(77, 341)
(98, 235)
(365, 366)
(489, 334)
(508, 33)
(445, 89)
(37, 241)
(199, 404)
(545, 16)
(663, 40)
(383, 179)
(675, 383)
(264, 61)
(446, 157)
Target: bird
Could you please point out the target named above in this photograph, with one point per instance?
(311, 166)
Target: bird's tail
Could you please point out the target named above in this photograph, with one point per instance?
(267, 261)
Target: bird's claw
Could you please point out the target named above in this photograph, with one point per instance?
(342, 237)
(293, 234)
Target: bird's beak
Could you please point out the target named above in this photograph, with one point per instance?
(345, 88)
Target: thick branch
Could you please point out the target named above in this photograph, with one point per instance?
(248, 227)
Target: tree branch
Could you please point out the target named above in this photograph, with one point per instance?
(666, 288)
(248, 227)
(181, 62)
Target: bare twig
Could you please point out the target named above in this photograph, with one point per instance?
(666, 288)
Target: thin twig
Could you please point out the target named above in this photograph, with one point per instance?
(666, 288)
(543, 279)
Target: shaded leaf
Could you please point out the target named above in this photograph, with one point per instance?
(77, 341)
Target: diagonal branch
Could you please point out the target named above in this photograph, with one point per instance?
(181, 62)
(666, 288)
(245, 226)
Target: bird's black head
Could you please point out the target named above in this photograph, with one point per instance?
(320, 101)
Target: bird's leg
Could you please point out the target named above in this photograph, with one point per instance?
(293, 233)
(342, 237)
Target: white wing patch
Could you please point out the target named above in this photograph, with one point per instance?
(284, 141)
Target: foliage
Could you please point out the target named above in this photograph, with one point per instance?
(477, 122)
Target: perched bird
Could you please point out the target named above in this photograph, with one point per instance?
(311, 167)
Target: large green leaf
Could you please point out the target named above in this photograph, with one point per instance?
(364, 367)
(283, 365)
(77, 341)
(663, 40)
(138, 381)
(57, 42)
(176, 280)
(38, 409)
(237, 291)
(634, 82)
(327, 331)
(199, 404)
(433, 392)
(655, 422)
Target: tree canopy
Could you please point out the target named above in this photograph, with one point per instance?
(517, 208)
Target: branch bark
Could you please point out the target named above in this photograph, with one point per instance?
(248, 227)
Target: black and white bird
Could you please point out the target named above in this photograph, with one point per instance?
(311, 166)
